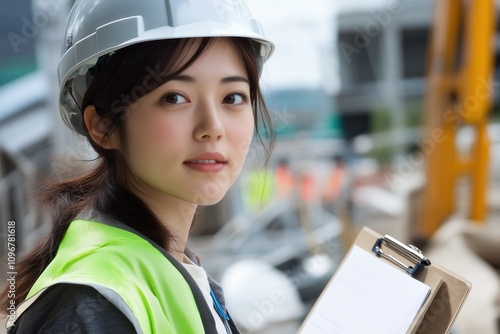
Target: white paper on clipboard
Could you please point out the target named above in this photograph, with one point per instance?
(367, 295)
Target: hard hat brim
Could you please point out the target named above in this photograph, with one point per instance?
(74, 62)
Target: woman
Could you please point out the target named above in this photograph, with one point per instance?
(167, 94)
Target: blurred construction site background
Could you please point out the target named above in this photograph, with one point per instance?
(387, 115)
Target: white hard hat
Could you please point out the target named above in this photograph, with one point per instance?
(259, 295)
(99, 27)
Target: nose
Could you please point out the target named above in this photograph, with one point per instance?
(208, 125)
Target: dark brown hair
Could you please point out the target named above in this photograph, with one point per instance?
(124, 77)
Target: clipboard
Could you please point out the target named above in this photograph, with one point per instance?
(445, 299)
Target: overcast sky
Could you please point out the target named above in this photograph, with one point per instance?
(303, 33)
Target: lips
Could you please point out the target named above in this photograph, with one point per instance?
(203, 161)
(208, 162)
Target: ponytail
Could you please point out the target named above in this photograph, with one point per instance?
(97, 189)
(64, 200)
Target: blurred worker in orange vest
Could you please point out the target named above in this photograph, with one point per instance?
(335, 194)
(285, 180)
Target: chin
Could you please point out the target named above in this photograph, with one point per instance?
(208, 202)
(208, 197)
(211, 193)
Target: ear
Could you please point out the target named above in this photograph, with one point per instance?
(98, 127)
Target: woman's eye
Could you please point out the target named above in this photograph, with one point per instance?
(235, 98)
(174, 98)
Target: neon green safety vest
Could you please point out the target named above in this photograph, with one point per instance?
(151, 288)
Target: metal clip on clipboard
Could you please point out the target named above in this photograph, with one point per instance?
(410, 252)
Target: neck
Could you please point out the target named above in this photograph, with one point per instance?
(175, 214)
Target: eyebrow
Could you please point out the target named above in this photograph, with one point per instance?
(235, 78)
(183, 77)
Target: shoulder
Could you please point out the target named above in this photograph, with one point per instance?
(92, 249)
(72, 308)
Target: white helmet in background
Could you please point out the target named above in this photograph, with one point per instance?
(260, 296)
(100, 27)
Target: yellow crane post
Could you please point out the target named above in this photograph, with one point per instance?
(459, 92)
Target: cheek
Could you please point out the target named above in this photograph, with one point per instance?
(158, 129)
(246, 139)
(147, 137)
(241, 134)
(248, 130)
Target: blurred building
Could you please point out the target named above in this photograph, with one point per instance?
(382, 57)
(17, 55)
(29, 51)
